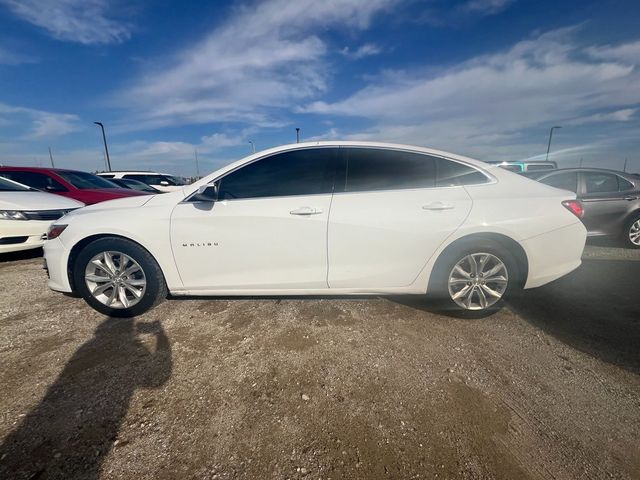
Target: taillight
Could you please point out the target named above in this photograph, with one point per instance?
(575, 207)
(55, 231)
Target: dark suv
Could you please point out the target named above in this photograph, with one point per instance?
(611, 200)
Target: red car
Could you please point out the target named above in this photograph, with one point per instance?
(85, 187)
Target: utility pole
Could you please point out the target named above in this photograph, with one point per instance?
(104, 139)
(51, 157)
(297, 135)
(625, 165)
(549, 145)
(195, 151)
(253, 146)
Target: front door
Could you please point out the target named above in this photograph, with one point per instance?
(267, 231)
(604, 203)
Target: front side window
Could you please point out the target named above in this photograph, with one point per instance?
(564, 181)
(596, 182)
(370, 169)
(35, 180)
(299, 172)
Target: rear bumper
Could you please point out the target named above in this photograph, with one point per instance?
(554, 254)
(56, 257)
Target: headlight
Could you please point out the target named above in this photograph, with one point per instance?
(55, 231)
(12, 215)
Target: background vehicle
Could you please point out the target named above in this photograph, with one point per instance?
(134, 185)
(25, 215)
(611, 200)
(324, 218)
(525, 165)
(160, 181)
(82, 186)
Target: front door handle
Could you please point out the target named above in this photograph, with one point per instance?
(306, 211)
(437, 206)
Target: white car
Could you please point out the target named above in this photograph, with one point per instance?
(26, 213)
(160, 181)
(323, 218)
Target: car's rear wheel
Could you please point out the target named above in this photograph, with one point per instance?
(118, 277)
(475, 276)
(632, 232)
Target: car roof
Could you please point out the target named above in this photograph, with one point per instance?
(39, 169)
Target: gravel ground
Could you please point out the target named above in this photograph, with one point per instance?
(546, 387)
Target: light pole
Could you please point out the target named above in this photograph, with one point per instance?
(104, 139)
(253, 146)
(51, 158)
(549, 145)
(297, 135)
(195, 152)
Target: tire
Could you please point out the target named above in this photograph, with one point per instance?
(632, 232)
(115, 267)
(479, 286)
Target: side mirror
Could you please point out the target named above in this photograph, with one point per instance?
(164, 183)
(206, 193)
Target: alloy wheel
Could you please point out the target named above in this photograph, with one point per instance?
(478, 281)
(115, 279)
(634, 232)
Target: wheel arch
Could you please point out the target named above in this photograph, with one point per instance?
(77, 248)
(500, 240)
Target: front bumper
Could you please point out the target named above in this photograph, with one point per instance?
(16, 230)
(56, 257)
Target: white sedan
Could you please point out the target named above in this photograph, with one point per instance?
(323, 218)
(25, 215)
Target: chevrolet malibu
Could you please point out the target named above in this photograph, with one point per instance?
(323, 218)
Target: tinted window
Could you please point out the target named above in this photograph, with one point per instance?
(565, 181)
(7, 186)
(84, 180)
(376, 169)
(300, 172)
(534, 168)
(35, 180)
(625, 184)
(104, 175)
(596, 182)
(450, 174)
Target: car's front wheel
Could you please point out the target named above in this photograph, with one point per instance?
(476, 276)
(118, 277)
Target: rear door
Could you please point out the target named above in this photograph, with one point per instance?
(395, 208)
(268, 230)
(605, 206)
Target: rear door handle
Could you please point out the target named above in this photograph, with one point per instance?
(306, 211)
(437, 206)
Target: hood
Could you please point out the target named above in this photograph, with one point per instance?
(129, 202)
(33, 201)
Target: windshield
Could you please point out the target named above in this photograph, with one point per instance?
(83, 180)
(8, 186)
(175, 180)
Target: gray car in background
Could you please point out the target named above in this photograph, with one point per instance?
(611, 200)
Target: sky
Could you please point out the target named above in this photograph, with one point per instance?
(482, 78)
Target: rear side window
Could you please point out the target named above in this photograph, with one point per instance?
(596, 182)
(148, 179)
(625, 184)
(299, 172)
(451, 174)
(35, 180)
(376, 169)
(565, 181)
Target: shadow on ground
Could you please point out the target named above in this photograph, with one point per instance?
(69, 433)
(595, 309)
(21, 255)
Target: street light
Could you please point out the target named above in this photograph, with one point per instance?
(297, 135)
(549, 145)
(104, 139)
(253, 146)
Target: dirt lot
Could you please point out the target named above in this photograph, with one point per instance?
(547, 387)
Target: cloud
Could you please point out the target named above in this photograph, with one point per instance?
(485, 7)
(366, 50)
(263, 58)
(627, 52)
(623, 115)
(534, 83)
(42, 124)
(83, 21)
(8, 57)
